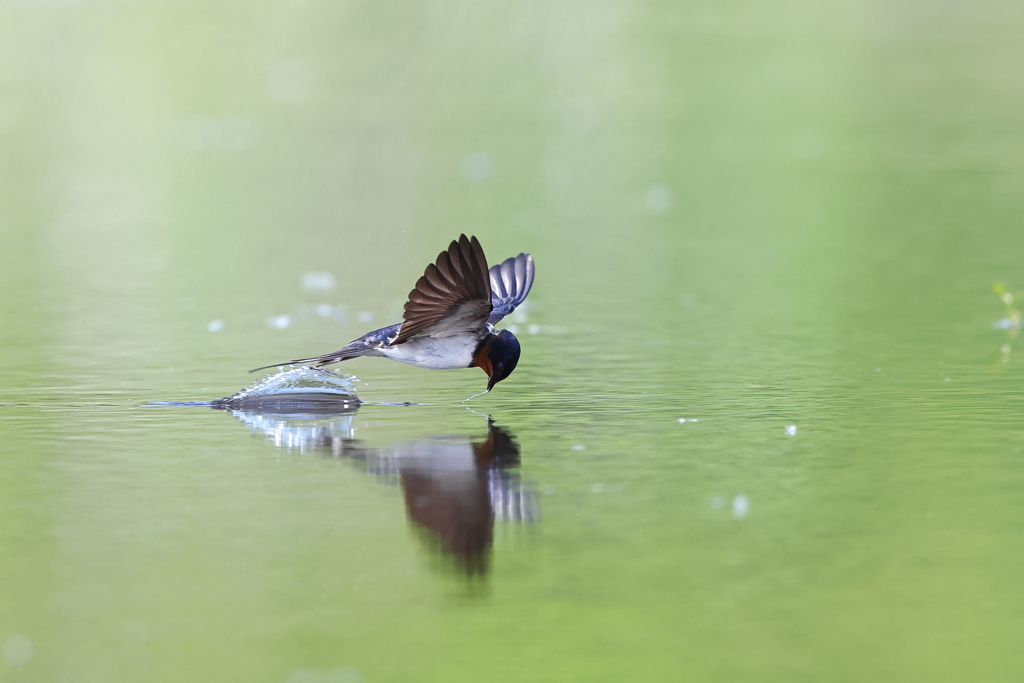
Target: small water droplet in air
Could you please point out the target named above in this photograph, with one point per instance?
(289, 80)
(740, 506)
(280, 321)
(658, 198)
(477, 166)
(317, 282)
(215, 325)
(790, 430)
(579, 447)
(17, 649)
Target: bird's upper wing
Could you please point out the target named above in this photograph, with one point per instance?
(510, 283)
(454, 294)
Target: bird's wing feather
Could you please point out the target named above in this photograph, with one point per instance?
(454, 294)
(511, 281)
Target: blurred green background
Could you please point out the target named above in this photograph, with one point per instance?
(780, 222)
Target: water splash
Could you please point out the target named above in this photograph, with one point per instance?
(302, 387)
(475, 395)
(299, 380)
(299, 390)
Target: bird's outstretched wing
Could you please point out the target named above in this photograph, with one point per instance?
(454, 294)
(510, 283)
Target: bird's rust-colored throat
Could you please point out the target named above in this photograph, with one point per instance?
(483, 360)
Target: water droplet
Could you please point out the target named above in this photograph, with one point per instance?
(477, 166)
(790, 430)
(215, 326)
(17, 649)
(289, 80)
(658, 198)
(317, 282)
(740, 506)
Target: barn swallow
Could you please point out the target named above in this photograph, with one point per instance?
(450, 316)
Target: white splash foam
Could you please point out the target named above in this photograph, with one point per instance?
(301, 380)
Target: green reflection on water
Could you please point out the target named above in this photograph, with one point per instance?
(750, 215)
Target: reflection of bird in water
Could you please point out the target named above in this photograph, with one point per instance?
(450, 316)
(455, 488)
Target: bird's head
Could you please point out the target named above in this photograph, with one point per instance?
(497, 356)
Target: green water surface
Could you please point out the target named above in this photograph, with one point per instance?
(763, 428)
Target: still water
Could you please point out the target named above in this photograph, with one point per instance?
(766, 425)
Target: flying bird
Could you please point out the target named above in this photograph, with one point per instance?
(450, 316)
